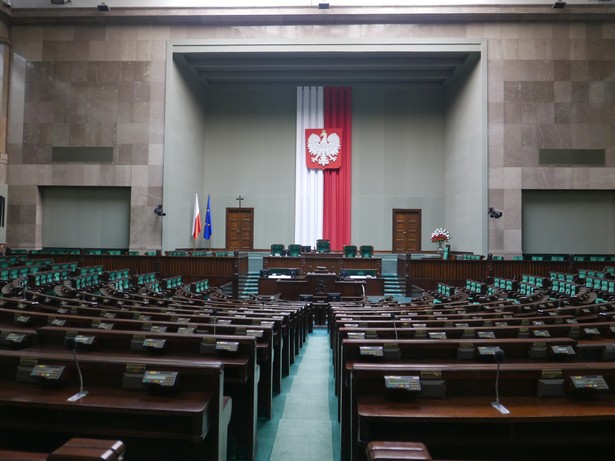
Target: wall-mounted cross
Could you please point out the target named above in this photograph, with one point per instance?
(239, 199)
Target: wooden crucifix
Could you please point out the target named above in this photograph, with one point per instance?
(240, 199)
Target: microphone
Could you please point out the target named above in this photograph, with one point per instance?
(498, 355)
(71, 343)
(395, 326)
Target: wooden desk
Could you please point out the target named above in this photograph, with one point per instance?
(465, 423)
(334, 262)
(193, 419)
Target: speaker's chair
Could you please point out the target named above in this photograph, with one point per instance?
(350, 251)
(277, 249)
(323, 246)
(367, 251)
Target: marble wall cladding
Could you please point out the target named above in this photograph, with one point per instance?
(87, 86)
(550, 85)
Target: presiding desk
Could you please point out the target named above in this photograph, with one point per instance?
(320, 282)
(333, 262)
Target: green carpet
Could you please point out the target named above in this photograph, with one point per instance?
(304, 425)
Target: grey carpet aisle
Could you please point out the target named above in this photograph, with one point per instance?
(306, 431)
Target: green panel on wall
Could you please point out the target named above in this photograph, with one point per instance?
(572, 157)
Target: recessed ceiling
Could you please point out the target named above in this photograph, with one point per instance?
(322, 68)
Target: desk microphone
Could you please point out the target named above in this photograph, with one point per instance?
(72, 345)
(498, 355)
(395, 327)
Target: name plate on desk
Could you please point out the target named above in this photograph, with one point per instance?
(541, 333)
(255, 333)
(609, 352)
(351, 325)
(158, 329)
(501, 324)
(102, 325)
(563, 351)
(227, 346)
(486, 335)
(437, 335)
(57, 322)
(371, 351)
(407, 383)
(154, 344)
(107, 315)
(85, 340)
(142, 317)
(185, 330)
(356, 335)
(224, 321)
(591, 331)
(22, 319)
(487, 351)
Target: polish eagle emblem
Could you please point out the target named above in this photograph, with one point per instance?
(323, 148)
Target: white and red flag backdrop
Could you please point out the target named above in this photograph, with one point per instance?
(323, 199)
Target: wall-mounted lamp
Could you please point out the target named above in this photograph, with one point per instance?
(103, 7)
(323, 6)
(559, 4)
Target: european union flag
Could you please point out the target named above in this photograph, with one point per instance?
(208, 230)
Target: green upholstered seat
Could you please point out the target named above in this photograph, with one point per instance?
(294, 250)
(277, 249)
(350, 251)
(367, 251)
(323, 246)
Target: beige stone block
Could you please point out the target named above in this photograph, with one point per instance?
(496, 112)
(608, 30)
(495, 86)
(155, 176)
(156, 133)
(129, 133)
(155, 155)
(15, 153)
(562, 91)
(496, 179)
(537, 178)
(157, 71)
(154, 196)
(512, 240)
(22, 195)
(140, 154)
(64, 33)
(91, 175)
(27, 33)
(141, 112)
(601, 178)
(14, 133)
(580, 178)
(139, 175)
(154, 33)
(121, 50)
(527, 48)
(123, 175)
(577, 31)
(139, 196)
(512, 178)
(494, 49)
(121, 33)
(510, 49)
(562, 178)
(156, 114)
(475, 30)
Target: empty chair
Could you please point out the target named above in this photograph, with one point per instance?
(277, 249)
(294, 250)
(367, 251)
(350, 251)
(323, 246)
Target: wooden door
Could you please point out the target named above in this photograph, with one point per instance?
(406, 231)
(240, 229)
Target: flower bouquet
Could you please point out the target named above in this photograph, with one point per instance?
(440, 235)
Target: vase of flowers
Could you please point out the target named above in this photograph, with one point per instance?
(440, 236)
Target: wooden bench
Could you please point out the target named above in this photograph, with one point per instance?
(548, 418)
(191, 419)
(76, 449)
(397, 451)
